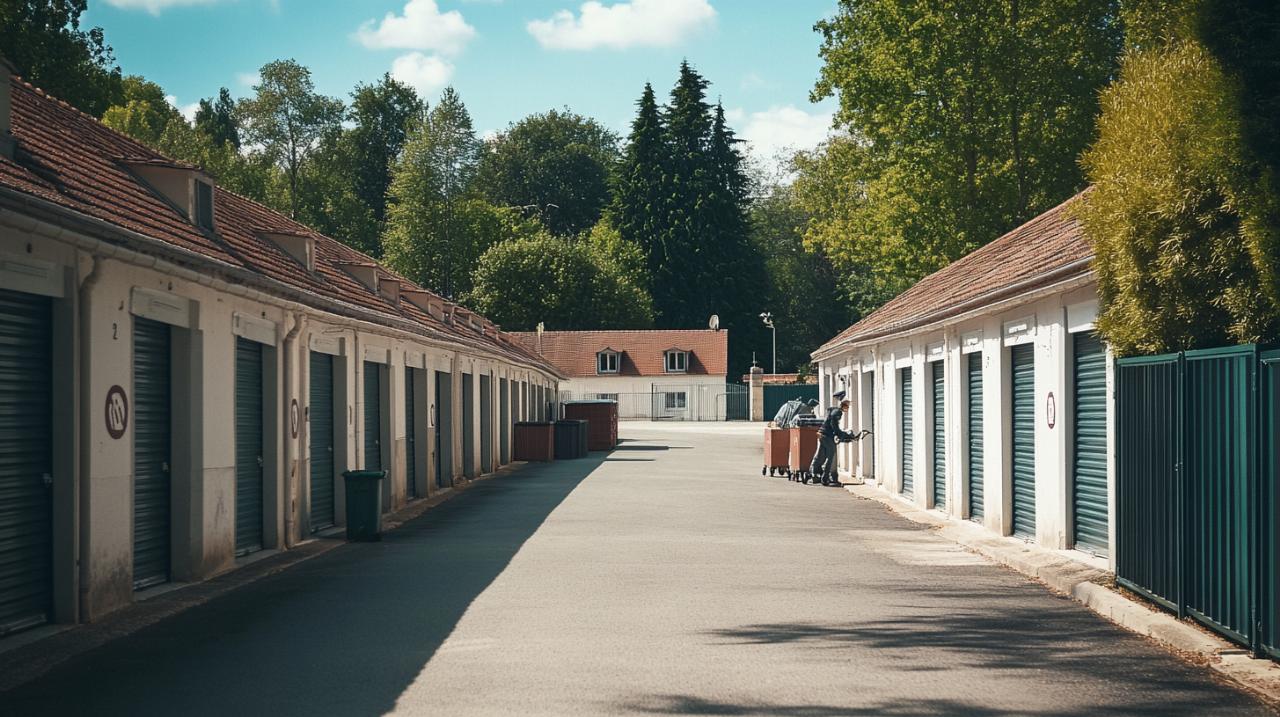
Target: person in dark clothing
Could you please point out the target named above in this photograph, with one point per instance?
(824, 461)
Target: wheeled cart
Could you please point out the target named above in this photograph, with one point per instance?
(777, 446)
(803, 444)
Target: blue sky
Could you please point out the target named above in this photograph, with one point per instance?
(507, 58)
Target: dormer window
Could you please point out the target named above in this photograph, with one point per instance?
(607, 361)
(677, 361)
(204, 204)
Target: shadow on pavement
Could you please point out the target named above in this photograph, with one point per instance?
(343, 633)
(920, 707)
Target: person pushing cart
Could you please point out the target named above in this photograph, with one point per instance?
(823, 466)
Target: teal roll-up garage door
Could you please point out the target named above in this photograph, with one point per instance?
(26, 459)
(152, 445)
(444, 429)
(410, 438)
(486, 424)
(249, 443)
(504, 421)
(320, 432)
(468, 426)
(939, 435)
(372, 417)
(1024, 440)
(1089, 454)
(974, 417)
(908, 430)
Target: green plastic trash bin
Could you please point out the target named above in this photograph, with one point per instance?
(364, 505)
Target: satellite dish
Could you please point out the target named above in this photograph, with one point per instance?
(714, 323)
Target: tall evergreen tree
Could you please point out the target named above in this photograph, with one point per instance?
(638, 207)
(382, 115)
(217, 119)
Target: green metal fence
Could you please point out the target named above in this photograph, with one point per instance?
(776, 394)
(1195, 487)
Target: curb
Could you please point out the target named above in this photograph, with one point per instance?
(1087, 585)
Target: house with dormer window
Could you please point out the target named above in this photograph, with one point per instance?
(659, 374)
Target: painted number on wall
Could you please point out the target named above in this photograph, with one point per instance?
(117, 412)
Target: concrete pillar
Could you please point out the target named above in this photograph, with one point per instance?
(757, 394)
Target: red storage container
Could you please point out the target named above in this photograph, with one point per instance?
(777, 446)
(602, 422)
(534, 441)
(804, 443)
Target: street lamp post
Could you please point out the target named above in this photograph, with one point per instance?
(767, 318)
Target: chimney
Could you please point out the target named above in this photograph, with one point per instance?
(541, 327)
(8, 143)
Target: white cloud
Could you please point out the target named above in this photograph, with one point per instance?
(779, 129)
(187, 111)
(425, 73)
(637, 23)
(248, 79)
(155, 6)
(421, 27)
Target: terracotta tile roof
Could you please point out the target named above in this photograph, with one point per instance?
(69, 159)
(1047, 249)
(641, 353)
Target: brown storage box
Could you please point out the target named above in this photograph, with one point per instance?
(804, 443)
(534, 442)
(777, 446)
(602, 422)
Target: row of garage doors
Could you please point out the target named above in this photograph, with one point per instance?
(1088, 450)
(27, 437)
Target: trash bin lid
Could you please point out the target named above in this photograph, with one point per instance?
(364, 475)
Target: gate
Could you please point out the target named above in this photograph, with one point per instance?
(1196, 475)
(776, 394)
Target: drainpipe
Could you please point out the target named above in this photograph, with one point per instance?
(291, 444)
(86, 417)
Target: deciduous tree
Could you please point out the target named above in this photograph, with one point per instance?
(555, 163)
(287, 118)
(44, 40)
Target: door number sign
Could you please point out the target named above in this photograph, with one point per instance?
(1051, 410)
(117, 412)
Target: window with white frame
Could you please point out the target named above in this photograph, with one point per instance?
(607, 397)
(676, 400)
(677, 361)
(607, 362)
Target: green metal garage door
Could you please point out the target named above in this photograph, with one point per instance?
(468, 426)
(976, 506)
(372, 417)
(444, 429)
(1024, 441)
(939, 435)
(320, 431)
(908, 429)
(410, 438)
(26, 460)
(486, 424)
(152, 443)
(1089, 457)
(248, 446)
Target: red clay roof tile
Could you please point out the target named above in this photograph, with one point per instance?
(641, 353)
(1034, 254)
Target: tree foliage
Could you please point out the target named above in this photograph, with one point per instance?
(381, 114)
(436, 230)
(44, 40)
(802, 290)
(567, 284)
(1183, 213)
(958, 122)
(288, 118)
(681, 196)
(217, 119)
(556, 164)
(144, 113)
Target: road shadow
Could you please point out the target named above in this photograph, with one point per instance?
(343, 633)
